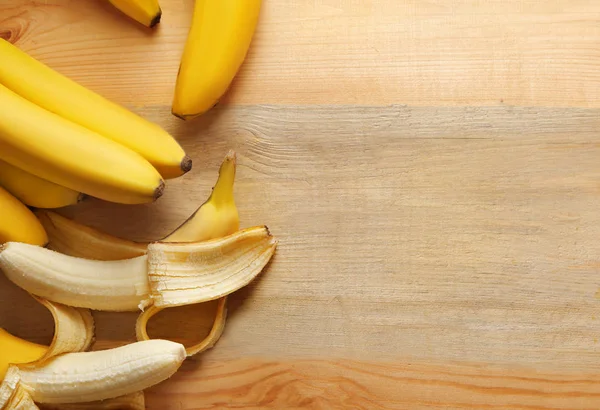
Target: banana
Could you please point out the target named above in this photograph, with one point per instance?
(171, 275)
(146, 12)
(216, 46)
(51, 147)
(18, 223)
(35, 191)
(100, 285)
(100, 375)
(54, 92)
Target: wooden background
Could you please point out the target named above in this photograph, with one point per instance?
(431, 168)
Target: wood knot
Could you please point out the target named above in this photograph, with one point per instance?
(14, 33)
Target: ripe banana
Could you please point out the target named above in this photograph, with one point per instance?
(216, 46)
(146, 12)
(18, 223)
(100, 375)
(35, 191)
(50, 147)
(178, 273)
(52, 91)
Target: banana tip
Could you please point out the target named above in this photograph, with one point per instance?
(186, 164)
(82, 197)
(156, 19)
(159, 190)
(231, 156)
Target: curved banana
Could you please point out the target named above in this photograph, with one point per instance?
(48, 146)
(104, 374)
(18, 223)
(35, 191)
(216, 46)
(146, 12)
(172, 275)
(54, 92)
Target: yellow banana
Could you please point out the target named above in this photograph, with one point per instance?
(47, 88)
(35, 191)
(53, 148)
(216, 46)
(18, 223)
(146, 12)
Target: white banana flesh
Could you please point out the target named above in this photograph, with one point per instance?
(100, 285)
(90, 376)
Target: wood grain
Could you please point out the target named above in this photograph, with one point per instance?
(430, 169)
(464, 52)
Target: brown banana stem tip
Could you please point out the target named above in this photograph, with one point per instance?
(159, 190)
(82, 197)
(156, 19)
(186, 164)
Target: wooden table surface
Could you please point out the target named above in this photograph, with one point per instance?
(431, 168)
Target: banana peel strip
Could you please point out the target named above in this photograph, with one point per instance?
(73, 332)
(208, 342)
(187, 273)
(74, 239)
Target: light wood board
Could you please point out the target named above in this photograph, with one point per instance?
(431, 168)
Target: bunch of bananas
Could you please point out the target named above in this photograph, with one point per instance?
(207, 258)
(59, 143)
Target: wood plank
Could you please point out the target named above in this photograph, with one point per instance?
(467, 52)
(343, 384)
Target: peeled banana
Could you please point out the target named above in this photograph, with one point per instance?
(171, 275)
(99, 375)
(51, 147)
(146, 12)
(216, 46)
(54, 92)
(18, 223)
(35, 191)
